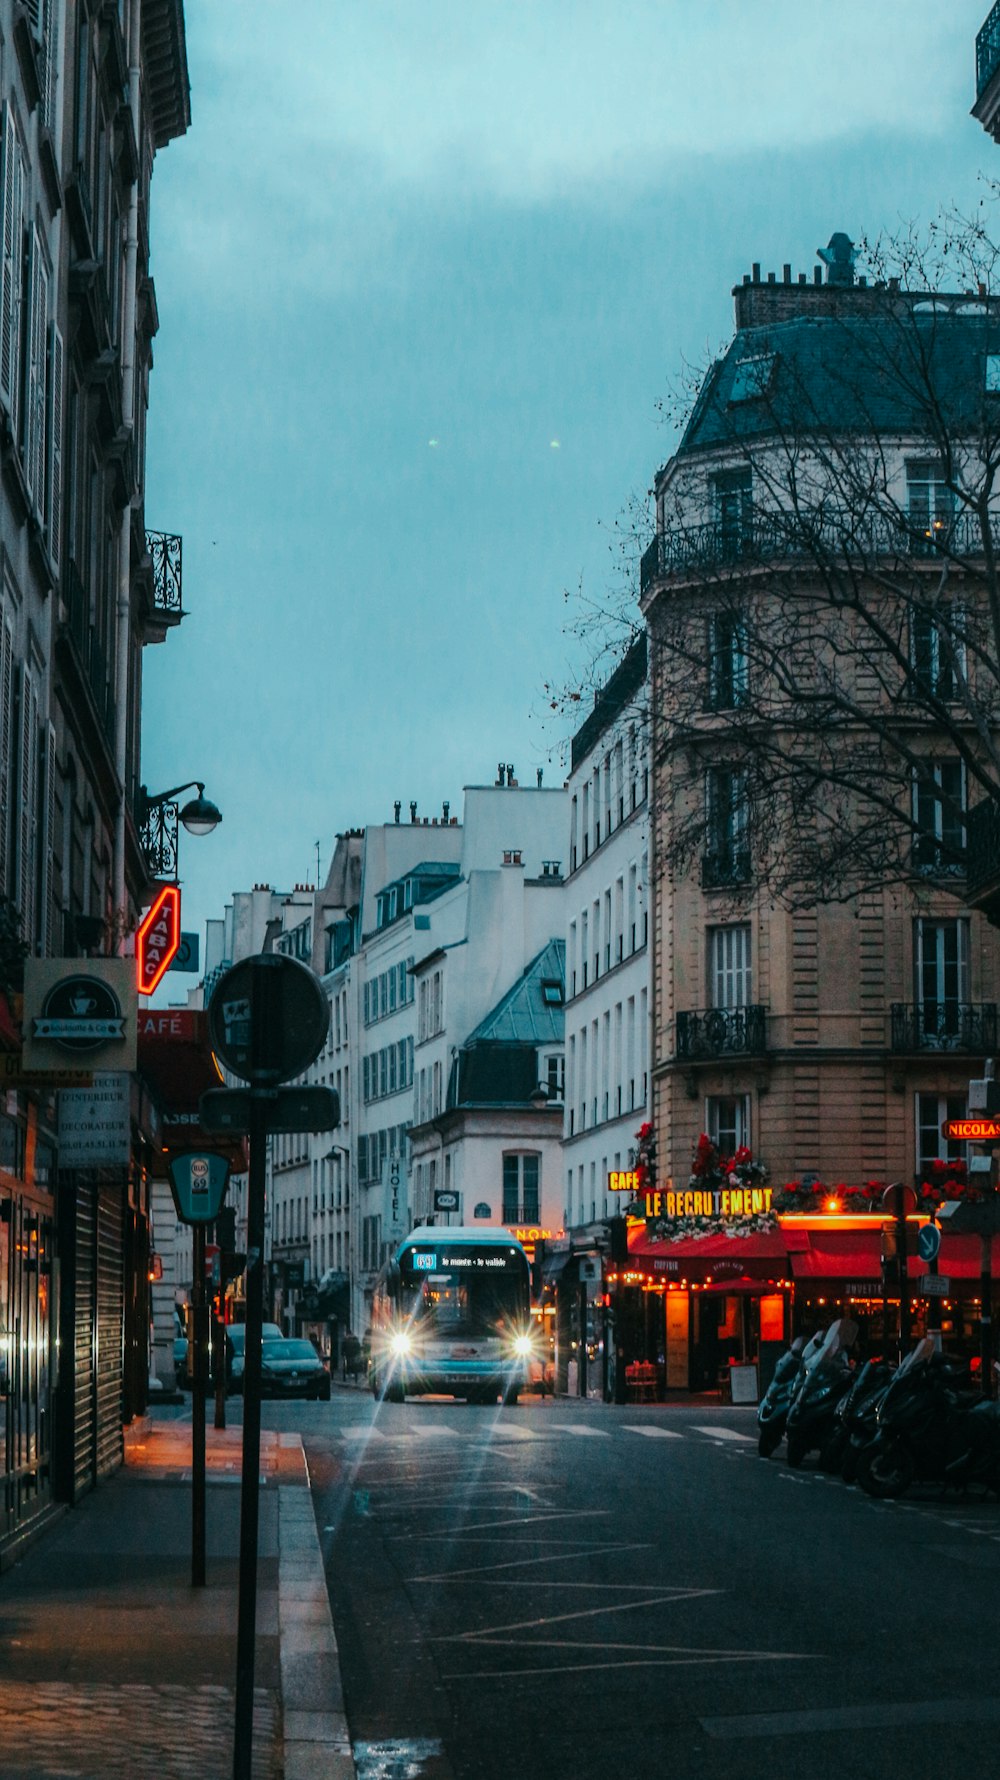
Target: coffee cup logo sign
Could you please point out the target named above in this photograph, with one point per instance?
(80, 1014)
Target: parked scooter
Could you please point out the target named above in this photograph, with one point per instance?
(856, 1418)
(924, 1427)
(772, 1410)
(826, 1376)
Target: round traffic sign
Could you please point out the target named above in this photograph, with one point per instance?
(928, 1242)
(268, 1019)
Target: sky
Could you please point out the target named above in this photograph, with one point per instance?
(425, 274)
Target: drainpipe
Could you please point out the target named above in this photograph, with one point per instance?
(124, 603)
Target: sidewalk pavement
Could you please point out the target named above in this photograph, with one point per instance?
(113, 1667)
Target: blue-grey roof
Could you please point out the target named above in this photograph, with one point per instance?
(523, 1016)
(877, 374)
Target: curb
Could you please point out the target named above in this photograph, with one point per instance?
(317, 1744)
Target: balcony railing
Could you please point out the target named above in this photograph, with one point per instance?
(164, 549)
(729, 867)
(722, 1032)
(944, 1026)
(820, 537)
(987, 50)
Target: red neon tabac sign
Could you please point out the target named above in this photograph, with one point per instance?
(158, 939)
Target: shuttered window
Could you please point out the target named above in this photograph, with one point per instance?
(54, 447)
(6, 748)
(10, 270)
(27, 855)
(729, 966)
(34, 418)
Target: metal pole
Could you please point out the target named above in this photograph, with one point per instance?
(986, 1316)
(246, 1627)
(219, 1367)
(198, 1411)
(904, 1274)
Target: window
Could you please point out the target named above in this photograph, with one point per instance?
(752, 377)
(941, 971)
(931, 1112)
(727, 855)
(552, 993)
(555, 1077)
(520, 1188)
(937, 650)
(727, 662)
(727, 1121)
(938, 817)
(729, 967)
(929, 502)
(732, 504)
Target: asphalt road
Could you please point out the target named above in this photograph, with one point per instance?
(578, 1590)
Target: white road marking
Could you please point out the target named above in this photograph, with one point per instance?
(580, 1428)
(492, 1634)
(642, 1662)
(653, 1433)
(564, 1557)
(722, 1433)
(510, 1431)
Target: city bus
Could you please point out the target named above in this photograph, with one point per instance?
(452, 1314)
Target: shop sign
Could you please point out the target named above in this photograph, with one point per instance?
(971, 1130)
(95, 1127)
(14, 1075)
(720, 1202)
(79, 1013)
(624, 1180)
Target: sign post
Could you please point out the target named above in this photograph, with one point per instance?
(198, 1183)
(268, 1019)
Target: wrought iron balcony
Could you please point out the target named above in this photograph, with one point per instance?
(764, 539)
(987, 50)
(722, 1032)
(944, 1026)
(729, 866)
(164, 550)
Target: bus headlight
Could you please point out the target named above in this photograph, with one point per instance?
(523, 1346)
(401, 1343)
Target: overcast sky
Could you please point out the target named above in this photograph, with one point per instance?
(424, 269)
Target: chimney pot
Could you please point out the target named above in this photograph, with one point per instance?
(817, 274)
(413, 811)
(397, 806)
(786, 274)
(755, 269)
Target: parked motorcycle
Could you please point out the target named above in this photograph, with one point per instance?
(772, 1410)
(825, 1378)
(923, 1428)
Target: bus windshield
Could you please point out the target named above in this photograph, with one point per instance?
(481, 1292)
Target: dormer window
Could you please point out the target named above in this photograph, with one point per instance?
(752, 378)
(552, 993)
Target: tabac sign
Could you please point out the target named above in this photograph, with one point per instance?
(79, 1013)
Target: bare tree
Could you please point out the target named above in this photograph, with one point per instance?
(822, 593)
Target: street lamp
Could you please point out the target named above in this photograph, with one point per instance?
(158, 817)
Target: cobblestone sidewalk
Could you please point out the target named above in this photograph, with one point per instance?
(94, 1731)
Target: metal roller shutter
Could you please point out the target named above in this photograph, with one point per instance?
(83, 1338)
(109, 1295)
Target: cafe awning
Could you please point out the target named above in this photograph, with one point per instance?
(838, 1254)
(176, 1061)
(743, 1261)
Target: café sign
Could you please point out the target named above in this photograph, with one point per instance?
(624, 1180)
(78, 1013)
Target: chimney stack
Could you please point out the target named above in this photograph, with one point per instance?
(413, 810)
(397, 806)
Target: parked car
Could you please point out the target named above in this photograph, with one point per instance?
(291, 1368)
(236, 1334)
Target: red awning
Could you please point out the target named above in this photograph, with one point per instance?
(838, 1254)
(175, 1058)
(710, 1259)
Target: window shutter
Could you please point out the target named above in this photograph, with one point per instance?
(47, 885)
(34, 419)
(10, 270)
(6, 745)
(54, 477)
(51, 65)
(28, 837)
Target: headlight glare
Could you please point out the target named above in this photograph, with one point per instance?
(401, 1342)
(522, 1346)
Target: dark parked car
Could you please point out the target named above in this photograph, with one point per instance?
(236, 1335)
(293, 1369)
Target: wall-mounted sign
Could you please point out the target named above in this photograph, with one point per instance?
(395, 1200)
(79, 1014)
(624, 1180)
(971, 1130)
(94, 1123)
(158, 938)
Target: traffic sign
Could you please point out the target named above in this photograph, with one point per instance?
(286, 1109)
(928, 1242)
(188, 953)
(899, 1199)
(212, 1262)
(981, 1130)
(158, 938)
(268, 1019)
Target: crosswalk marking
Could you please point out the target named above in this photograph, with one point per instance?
(653, 1433)
(580, 1428)
(719, 1433)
